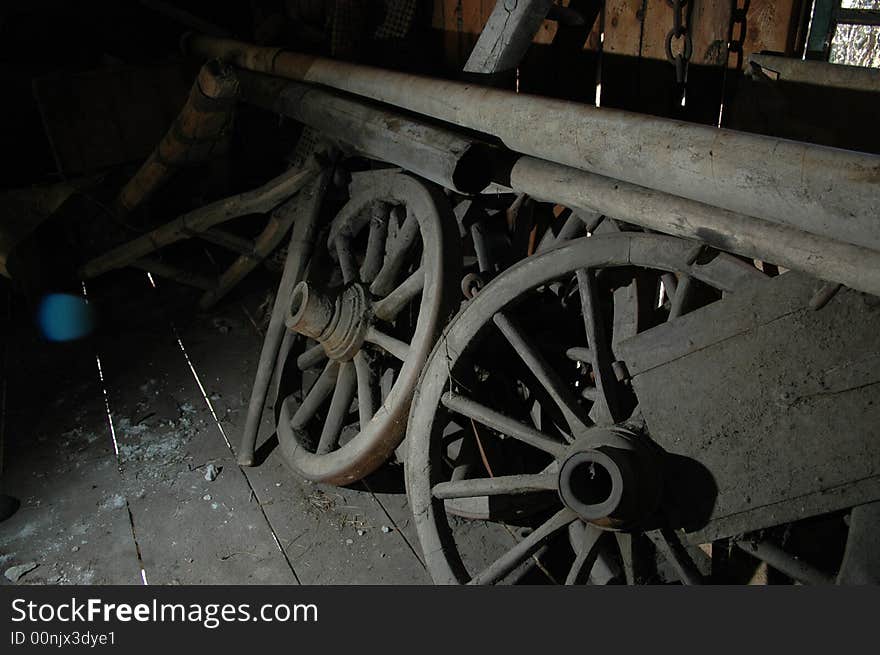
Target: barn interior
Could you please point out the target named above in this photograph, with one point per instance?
(423, 292)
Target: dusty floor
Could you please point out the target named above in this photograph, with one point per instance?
(108, 442)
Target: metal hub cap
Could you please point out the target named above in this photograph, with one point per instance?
(591, 483)
(607, 479)
(339, 323)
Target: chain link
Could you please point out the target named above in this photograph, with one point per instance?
(680, 32)
(738, 31)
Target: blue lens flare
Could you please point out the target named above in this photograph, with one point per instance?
(65, 317)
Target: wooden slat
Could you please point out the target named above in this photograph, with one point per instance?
(622, 27)
(710, 20)
(437, 16)
(546, 33)
(769, 23)
(708, 24)
(768, 26)
(658, 21)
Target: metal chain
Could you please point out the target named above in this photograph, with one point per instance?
(738, 30)
(680, 32)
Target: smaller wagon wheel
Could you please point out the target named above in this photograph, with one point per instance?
(378, 290)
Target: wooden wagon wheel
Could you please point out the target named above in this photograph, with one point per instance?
(528, 457)
(380, 287)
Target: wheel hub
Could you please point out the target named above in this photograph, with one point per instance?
(609, 479)
(338, 322)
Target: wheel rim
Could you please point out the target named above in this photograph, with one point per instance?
(386, 287)
(425, 479)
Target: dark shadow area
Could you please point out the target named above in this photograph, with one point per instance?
(836, 117)
(689, 493)
(8, 506)
(262, 452)
(388, 479)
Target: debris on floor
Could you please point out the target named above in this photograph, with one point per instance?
(16, 573)
(116, 501)
(321, 501)
(211, 472)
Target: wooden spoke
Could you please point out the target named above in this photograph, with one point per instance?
(626, 544)
(389, 307)
(316, 396)
(501, 486)
(667, 541)
(396, 250)
(375, 243)
(572, 228)
(576, 225)
(481, 248)
(346, 258)
(367, 388)
(681, 296)
(564, 397)
(589, 393)
(670, 284)
(782, 561)
(577, 354)
(598, 345)
(311, 357)
(625, 321)
(504, 424)
(586, 557)
(389, 344)
(386, 383)
(343, 394)
(605, 225)
(513, 557)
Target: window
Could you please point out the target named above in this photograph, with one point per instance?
(846, 32)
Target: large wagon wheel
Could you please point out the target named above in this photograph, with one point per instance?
(381, 284)
(532, 437)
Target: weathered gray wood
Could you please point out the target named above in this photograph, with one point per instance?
(795, 404)
(819, 73)
(506, 484)
(276, 229)
(389, 306)
(332, 535)
(861, 559)
(189, 530)
(797, 570)
(668, 543)
(497, 421)
(825, 191)
(192, 223)
(763, 303)
(786, 245)
(450, 159)
(507, 35)
(555, 387)
(60, 464)
(513, 557)
(298, 254)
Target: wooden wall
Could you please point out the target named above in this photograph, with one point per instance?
(769, 27)
(635, 75)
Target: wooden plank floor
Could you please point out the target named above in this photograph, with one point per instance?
(177, 385)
